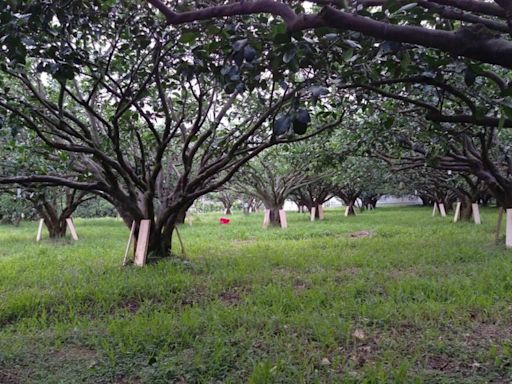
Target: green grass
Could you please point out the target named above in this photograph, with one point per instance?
(421, 300)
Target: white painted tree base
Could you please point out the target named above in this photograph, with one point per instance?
(282, 219)
(476, 213)
(40, 230)
(266, 219)
(456, 216)
(442, 210)
(435, 210)
(72, 229)
(508, 233)
(141, 252)
(130, 241)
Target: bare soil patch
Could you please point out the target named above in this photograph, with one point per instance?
(232, 296)
(300, 285)
(360, 234)
(76, 353)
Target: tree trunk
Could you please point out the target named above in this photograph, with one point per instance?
(426, 201)
(484, 200)
(502, 193)
(126, 216)
(350, 203)
(160, 238)
(56, 228)
(317, 211)
(275, 220)
(274, 217)
(366, 203)
(448, 203)
(466, 212)
(228, 210)
(182, 213)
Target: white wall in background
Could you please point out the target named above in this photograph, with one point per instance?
(383, 201)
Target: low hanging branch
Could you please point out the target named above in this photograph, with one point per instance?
(434, 113)
(473, 43)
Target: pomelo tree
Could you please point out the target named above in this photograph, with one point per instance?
(152, 117)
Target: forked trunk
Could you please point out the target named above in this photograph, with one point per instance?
(56, 228)
(160, 243)
(160, 239)
(160, 236)
(274, 217)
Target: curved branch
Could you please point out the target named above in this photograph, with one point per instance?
(463, 42)
(52, 180)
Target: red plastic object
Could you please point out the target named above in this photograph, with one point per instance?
(224, 220)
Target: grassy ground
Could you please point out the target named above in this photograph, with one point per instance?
(420, 300)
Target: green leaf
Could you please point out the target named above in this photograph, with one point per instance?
(406, 7)
(282, 38)
(507, 92)
(249, 53)
(289, 56)
(278, 29)
(331, 36)
(501, 123)
(188, 37)
(317, 90)
(347, 54)
(507, 110)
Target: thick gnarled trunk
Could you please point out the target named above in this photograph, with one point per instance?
(182, 214)
(350, 203)
(350, 209)
(275, 219)
(56, 227)
(160, 239)
(161, 230)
